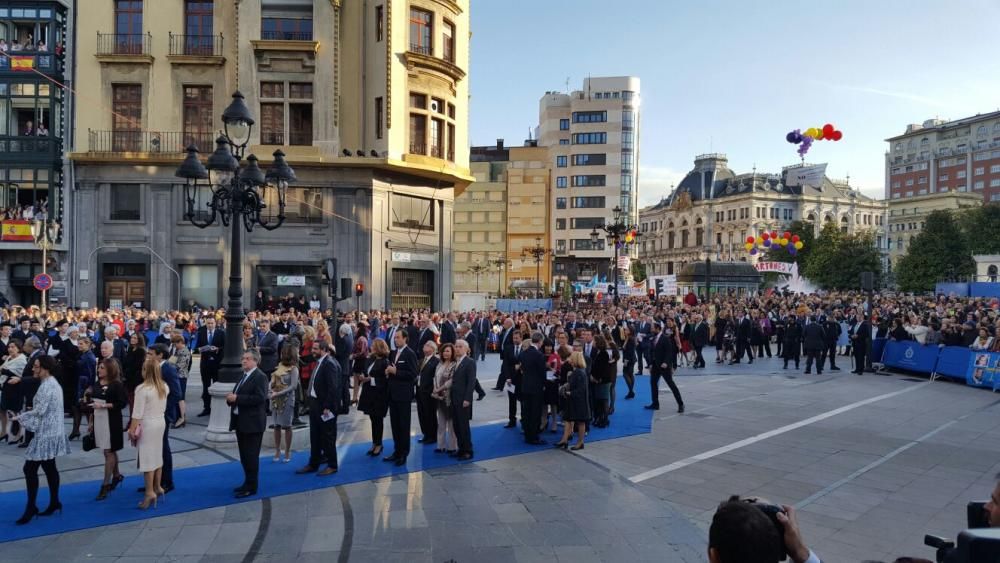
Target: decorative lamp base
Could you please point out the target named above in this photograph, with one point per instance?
(218, 424)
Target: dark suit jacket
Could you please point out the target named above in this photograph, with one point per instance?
(471, 339)
(463, 382)
(481, 327)
(267, 345)
(663, 350)
(699, 336)
(448, 335)
(423, 337)
(401, 383)
(251, 398)
(210, 360)
(413, 336)
(744, 329)
(813, 337)
(326, 384)
(426, 383)
(168, 372)
(532, 371)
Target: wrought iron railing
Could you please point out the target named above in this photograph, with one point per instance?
(196, 45)
(170, 142)
(123, 43)
(417, 147)
(421, 49)
(286, 35)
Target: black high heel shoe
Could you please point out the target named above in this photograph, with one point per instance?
(29, 513)
(375, 453)
(116, 481)
(561, 445)
(577, 447)
(74, 435)
(4, 437)
(105, 489)
(56, 506)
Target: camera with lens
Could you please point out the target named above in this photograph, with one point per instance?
(978, 543)
(771, 511)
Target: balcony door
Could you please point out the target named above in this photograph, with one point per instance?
(198, 118)
(128, 27)
(198, 27)
(126, 117)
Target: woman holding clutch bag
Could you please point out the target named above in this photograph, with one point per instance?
(146, 429)
(109, 395)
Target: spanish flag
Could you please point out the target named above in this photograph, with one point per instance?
(22, 63)
(16, 231)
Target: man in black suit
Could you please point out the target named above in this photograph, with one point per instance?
(448, 332)
(426, 404)
(814, 342)
(859, 344)
(832, 329)
(663, 349)
(425, 334)
(267, 345)
(247, 417)
(506, 355)
(402, 374)
(462, 383)
(514, 380)
(471, 340)
(413, 331)
(533, 371)
(792, 341)
(699, 339)
(324, 398)
(481, 328)
(743, 330)
(209, 344)
(23, 331)
(390, 332)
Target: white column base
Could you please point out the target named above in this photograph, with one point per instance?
(218, 423)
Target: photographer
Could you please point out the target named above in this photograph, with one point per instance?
(742, 531)
(992, 507)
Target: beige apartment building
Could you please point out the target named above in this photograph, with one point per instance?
(368, 99)
(528, 209)
(906, 216)
(593, 141)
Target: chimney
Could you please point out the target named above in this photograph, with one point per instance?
(499, 144)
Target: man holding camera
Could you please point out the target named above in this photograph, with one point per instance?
(750, 531)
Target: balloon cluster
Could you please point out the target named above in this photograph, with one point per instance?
(774, 239)
(631, 237)
(805, 140)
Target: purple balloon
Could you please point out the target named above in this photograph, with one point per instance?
(791, 250)
(791, 137)
(753, 251)
(767, 242)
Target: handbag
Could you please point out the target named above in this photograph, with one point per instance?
(89, 442)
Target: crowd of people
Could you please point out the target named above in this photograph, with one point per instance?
(123, 373)
(26, 212)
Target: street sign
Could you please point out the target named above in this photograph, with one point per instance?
(43, 282)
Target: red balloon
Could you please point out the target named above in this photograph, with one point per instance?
(765, 235)
(828, 131)
(774, 234)
(751, 239)
(787, 235)
(795, 238)
(837, 135)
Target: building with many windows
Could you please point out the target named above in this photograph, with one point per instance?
(368, 99)
(481, 222)
(593, 141)
(945, 156)
(34, 124)
(713, 210)
(906, 216)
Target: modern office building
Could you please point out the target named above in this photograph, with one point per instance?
(713, 210)
(906, 216)
(368, 99)
(945, 156)
(593, 141)
(35, 62)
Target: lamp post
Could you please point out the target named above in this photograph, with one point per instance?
(500, 262)
(239, 200)
(537, 252)
(616, 234)
(45, 233)
(477, 269)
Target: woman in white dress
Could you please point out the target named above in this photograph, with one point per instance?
(45, 419)
(146, 429)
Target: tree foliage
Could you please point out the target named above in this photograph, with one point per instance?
(943, 251)
(638, 270)
(980, 226)
(837, 259)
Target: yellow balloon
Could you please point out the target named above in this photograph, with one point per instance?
(749, 246)
(819, 135)
(760, 240)
(811, 132)
(784, 242)
(799, 245)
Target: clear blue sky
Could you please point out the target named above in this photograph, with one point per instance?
(734, 76)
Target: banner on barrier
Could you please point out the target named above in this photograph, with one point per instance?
(983, 368)
(910, 355)
(953, 361)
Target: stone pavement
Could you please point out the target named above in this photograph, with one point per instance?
(872, 463)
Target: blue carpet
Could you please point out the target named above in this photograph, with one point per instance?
(210, 486)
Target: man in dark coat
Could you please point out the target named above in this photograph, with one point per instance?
(465, 333)
(426, 404)
(402, 375)
(813, 343)
(210, 343)
(506, 356)
(859, 344)
(247, 417)
(792, 343)
(699, 339)
(462, 384)
(533, 370)
(743, 332)
(267, 345)
(831, 329)
(448, 330)
(324, 399)
(481, 328)
(663, 349)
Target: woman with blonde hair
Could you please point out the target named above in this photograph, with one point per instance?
(576, 392)
(147, 426)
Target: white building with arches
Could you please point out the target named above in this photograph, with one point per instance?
(713, 210)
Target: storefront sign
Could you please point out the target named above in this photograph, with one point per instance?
(291, 281)
(399, 256)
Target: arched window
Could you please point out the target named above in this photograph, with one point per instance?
(699, 235)
(843, 224)
(911, 145)
(828, 219)
(670, 238)
(684, 237)
(981, 131)
(924, 143)
(811, 218)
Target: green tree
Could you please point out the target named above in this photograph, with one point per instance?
(940, 251)
(780, 254)
(638, 270)
(980, 225)
(837, 259)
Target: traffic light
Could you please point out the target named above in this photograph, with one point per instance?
(652, 293)
(611, 289)
(330, 273)
(345, 288)
(359, 289)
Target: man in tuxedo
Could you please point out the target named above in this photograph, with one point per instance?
(743, 330)
(571, 326)
(699, 339)
(465, 333)
(448, 332)
(506, 354)
(425, 335)
(462, 384)
(481, 328)
(390, 332)
(248, 418)
(533, 370)
(664, 348)
(324, 399)
(426, 404)
(792, 342)
(813, 343)
(831, 327)
(267, 346)
(402, 374)
(209, 344)
(159, 353)
(859, 343)
(514, 380)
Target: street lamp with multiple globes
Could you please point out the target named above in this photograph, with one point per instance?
(537, 252)
(500, 262)
(239, 200)
(617, 234)
(45, 233)
(477, 269)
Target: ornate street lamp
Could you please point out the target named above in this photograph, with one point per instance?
(537, 252)
(500, 262)
(238, 194)
(45, 233)
(617, 234)
(477, 269)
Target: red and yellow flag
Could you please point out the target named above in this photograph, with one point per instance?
(22, 63)
(16, 231)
